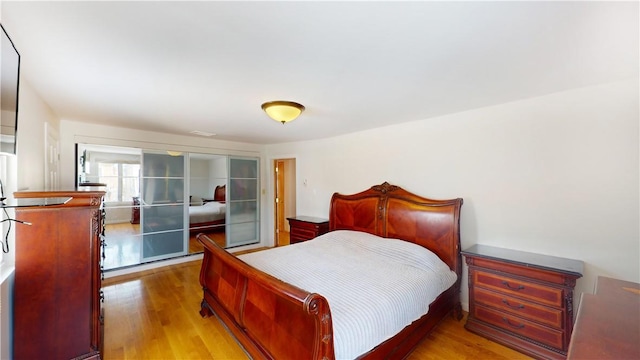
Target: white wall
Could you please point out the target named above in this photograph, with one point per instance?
(556, 175)
(218, 174)
(33, 113)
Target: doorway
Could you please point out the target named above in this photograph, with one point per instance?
(284, 175)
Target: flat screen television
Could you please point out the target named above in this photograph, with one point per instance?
(9, 83)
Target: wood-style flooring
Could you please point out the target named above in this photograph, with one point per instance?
(124, 244)
(155, 315)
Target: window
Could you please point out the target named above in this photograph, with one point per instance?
(121, 180)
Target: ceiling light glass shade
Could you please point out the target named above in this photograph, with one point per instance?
(282, 111)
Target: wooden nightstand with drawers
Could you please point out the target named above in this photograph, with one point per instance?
(304, 228)
(522, 300)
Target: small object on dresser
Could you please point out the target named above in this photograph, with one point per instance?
(306, 228)
(522, 300)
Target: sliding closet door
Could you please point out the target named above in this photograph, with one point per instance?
(243, 202)
(163, 206)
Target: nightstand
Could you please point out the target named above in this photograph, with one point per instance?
(306, 227)
(522, 300)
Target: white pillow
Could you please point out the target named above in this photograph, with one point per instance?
(195, 200)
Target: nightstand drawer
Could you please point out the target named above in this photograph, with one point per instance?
(301, 234)
(531, 311)
(519, 288)
(517, 325)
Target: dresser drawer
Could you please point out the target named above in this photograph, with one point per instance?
(525, 309)
(522, 327)
(519, 288)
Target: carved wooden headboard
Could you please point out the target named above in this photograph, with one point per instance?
(389, 211)
(220, 193)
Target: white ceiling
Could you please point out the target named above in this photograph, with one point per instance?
(208, 66)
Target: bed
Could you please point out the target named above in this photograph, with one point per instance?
(208, 214)
(274, 319)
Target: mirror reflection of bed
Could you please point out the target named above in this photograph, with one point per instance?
(207, 216)
(132, 230)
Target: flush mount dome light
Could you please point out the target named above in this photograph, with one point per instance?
(282, 111)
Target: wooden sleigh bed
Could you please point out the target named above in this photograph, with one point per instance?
(210, 214)
(275, 320)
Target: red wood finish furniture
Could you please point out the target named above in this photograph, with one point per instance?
(303, 228)
(57, 296)
(275, 320)
(135, 210)
(522, 300)
(608, 322)
(219, 195)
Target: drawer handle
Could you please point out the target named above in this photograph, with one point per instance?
(506, 302)
(518, 326)
(518, 288)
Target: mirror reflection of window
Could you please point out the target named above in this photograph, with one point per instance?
(119, 169)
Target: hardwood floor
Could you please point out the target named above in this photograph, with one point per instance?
(124, 244)
(154, 315)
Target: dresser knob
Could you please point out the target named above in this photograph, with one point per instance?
(519, 287)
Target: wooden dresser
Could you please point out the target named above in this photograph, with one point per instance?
(57, 296)
(306, 227)
(608, 322)
(522, 300)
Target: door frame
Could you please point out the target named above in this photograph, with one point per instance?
(288, 187)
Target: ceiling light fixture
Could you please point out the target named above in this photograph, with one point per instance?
(282, 111)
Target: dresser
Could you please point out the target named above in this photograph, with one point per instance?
(304, 228)
(57, 296)
(608, 322)
(522, 300)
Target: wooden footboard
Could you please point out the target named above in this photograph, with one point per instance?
(270, 318)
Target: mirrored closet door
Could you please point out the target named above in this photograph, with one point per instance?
(118, 170)
(162, 205)
(158, 201)
(207, 199)
(243, 223)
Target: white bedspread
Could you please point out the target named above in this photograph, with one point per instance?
(210, 211)
(375, 286)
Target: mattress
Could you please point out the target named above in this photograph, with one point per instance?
(210, 211)
(375, 286)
